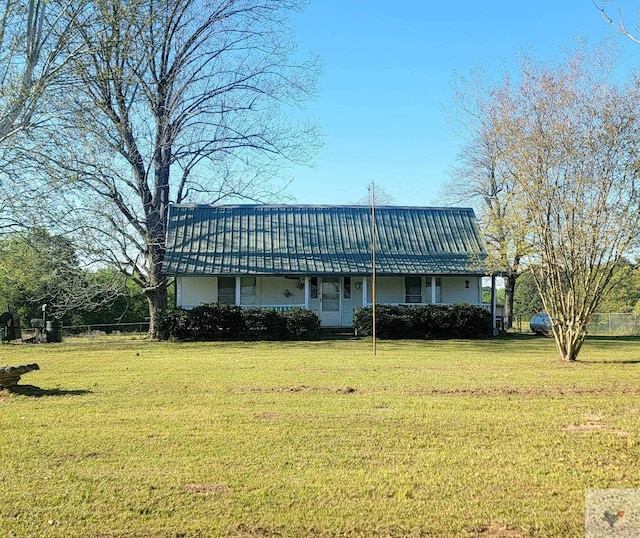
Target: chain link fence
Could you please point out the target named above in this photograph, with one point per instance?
(601, 324)
(105, 330)
(615, 324)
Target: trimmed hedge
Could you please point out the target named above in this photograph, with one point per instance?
(227, 322)
(424, 321)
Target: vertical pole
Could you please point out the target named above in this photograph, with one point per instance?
(238, 289)
(365, 297)
(373, 264)
(307, 291)
(493, 304)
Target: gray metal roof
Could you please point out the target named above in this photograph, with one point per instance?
(298, 240)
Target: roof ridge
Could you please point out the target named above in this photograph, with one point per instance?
(321, 206)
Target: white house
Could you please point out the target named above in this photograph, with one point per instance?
(320, 257)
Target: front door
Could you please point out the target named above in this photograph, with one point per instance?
(330, 295)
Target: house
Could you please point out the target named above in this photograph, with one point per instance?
(320, 257)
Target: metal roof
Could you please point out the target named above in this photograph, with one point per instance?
(299, 240)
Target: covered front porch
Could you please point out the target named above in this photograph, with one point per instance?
(333, 297)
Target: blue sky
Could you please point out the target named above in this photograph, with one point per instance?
(388, 69)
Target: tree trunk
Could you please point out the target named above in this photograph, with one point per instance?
(569, 337)
(156, 290)
(509, 289)
(157, 298)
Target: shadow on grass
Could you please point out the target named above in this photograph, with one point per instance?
(618, 339)
(37, 392)
(610, 361)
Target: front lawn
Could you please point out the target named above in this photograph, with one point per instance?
(449, 438)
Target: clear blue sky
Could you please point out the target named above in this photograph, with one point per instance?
(388, 69)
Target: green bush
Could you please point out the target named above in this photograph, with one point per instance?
(226, 322)
(173, 324)
(215, 322)
(302, 323)
(265, 324)
(424, 321)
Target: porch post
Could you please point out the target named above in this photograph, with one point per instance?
(178, 294)
(238, 291)
(307, 291)
(364, 292)
(493, 304)
(433, 290)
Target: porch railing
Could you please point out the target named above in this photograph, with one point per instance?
(278, 307)
(486, 306)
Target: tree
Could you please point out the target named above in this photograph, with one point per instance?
(38, 268)
(625, 295)
(36, 45)
(174, 101)
(481, 179)
(127, 305)
(619, 22)
(573, 152)
(527, 301)
(380, 195)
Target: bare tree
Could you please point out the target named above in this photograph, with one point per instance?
(619, 20)
(36, 45)
(36, 42)
(480, 178)
(380, 195)
(175, 101)
(573, 151)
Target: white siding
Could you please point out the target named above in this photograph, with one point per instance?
(454, 290)
(272, 291)
(195, 290)
(389, 289)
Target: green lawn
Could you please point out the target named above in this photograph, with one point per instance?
(451, 438)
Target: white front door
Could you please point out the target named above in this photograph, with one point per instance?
(330, 301)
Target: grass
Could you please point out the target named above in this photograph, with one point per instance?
(451, 438)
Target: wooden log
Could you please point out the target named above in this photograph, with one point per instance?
(10, 375)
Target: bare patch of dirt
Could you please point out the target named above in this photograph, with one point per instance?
(249, 531)
(268, 416)
(293, 389)
(497, 530)
(75, 458)
(592, 424)
(206, 489)
(552, 391)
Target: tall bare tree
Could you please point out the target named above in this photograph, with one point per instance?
(36, 42)
(574, 153)
(618, 20)
(175, 101)
(480, 178)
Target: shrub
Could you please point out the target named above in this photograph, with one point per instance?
(226, 322)
(302, 323)
(215, 322)
(424, 321)
(265, 323)
(173, 324)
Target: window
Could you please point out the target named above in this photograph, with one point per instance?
(248, 293)
(346, 289)
(227, 290)
(313, 281)
(413, 289)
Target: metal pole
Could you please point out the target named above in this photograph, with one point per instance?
(373, 263)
